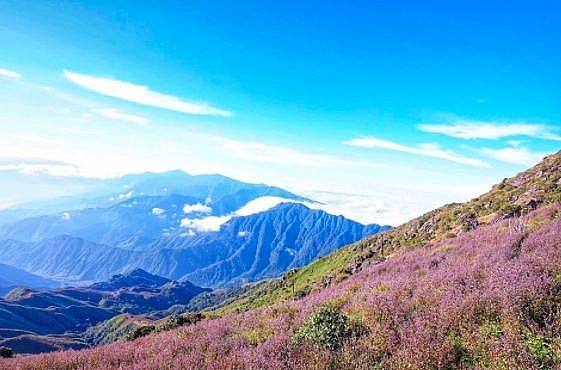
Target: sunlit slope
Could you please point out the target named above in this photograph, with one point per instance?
(537, 187)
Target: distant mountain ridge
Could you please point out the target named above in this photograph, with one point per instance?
(32, 321)
(245, 249)
(11, 277)
(228, 194)
(211, 229)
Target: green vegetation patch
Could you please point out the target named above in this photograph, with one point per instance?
(327, 328)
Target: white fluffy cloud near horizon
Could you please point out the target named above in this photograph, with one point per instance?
(141, 95)
(213, 223)
(158, 211)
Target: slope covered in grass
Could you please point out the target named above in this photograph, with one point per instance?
(537, 187)
(488, 298)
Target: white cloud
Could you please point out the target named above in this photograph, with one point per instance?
(158, 211)
(261, 204)
(126, 195)
(515, 155)
(10, 74)
(38, 166)
(429, 150)
(141, 95)
(31, 160)
(490, 130)
(392, 204)
(65, 216)
(285, 156)
(380, 208)
(198, 208)
(115, 113)
(42, 169)
(211, 223)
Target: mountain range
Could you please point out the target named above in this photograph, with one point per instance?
(472, 285)
(33, 321)
(222, 193)
(11, 277)
(245, 248)
(210, 229)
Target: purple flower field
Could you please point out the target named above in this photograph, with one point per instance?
(486, 299)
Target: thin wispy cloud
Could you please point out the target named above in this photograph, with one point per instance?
(38, 166)
(491, 130)
(142, 95)
(41, 169)
(515, 155)
(6, 161)
(286, 156)
(429, 150)
(8, 73)
(116, 114)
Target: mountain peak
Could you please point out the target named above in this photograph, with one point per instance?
(291, 205)
(135, 277)
(139, 273)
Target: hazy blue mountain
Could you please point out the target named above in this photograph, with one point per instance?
(17, 187)
(67, 258)
(11, 277)
(95, 193)
(171, 224)
(245, 248)
(270, 243)
(132, 223)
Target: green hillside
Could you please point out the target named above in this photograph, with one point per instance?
(529, 190)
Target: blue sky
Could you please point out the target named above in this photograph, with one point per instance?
(382, 109)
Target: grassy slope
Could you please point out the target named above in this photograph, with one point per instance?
(541, 184)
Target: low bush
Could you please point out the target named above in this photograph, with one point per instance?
(6, 352)
(327, 328)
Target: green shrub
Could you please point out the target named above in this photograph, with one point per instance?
(6, 352)
(327, 328)
(174, 321)
(540, 348)
(140, 331)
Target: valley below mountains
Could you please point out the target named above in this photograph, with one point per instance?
(33, 321)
